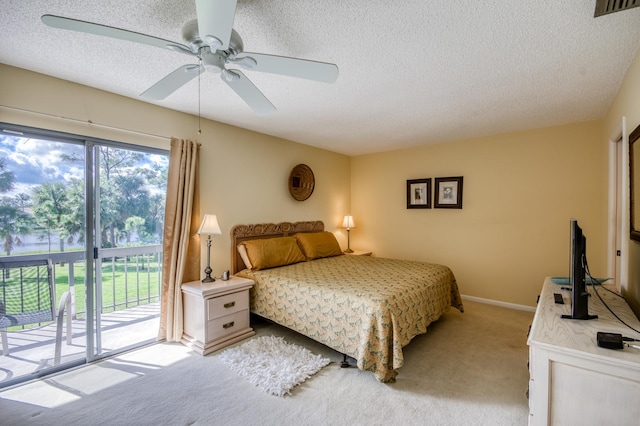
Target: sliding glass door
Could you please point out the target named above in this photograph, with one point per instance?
(128, 199)
(82, 219)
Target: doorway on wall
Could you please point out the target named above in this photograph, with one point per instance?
(618, 247)
(619, 228)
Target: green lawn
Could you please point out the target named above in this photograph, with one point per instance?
(126, 282)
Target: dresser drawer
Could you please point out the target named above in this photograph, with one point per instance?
(228, 304)
(228, 324)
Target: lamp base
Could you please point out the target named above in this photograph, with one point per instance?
(348, 250)
(208, 278)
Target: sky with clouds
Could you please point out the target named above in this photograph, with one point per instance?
(35, 161)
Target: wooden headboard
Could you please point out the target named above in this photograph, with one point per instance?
(240, 233)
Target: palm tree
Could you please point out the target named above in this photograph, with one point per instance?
(13, 221)
(114, 163)
(73, 222)
(23, 200)
(50, 208)
(7, 177)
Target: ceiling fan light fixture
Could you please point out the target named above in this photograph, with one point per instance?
(213, 61)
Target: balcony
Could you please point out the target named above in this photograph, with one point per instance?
(129, 298)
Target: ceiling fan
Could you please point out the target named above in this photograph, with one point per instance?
(211, 39)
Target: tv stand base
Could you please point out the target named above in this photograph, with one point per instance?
(588, 317)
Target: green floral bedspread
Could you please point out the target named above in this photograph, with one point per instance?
(366, 307)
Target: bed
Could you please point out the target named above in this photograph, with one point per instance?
(365, 307)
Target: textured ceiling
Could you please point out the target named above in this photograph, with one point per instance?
(412, 72)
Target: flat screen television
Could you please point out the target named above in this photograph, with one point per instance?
(577, 270)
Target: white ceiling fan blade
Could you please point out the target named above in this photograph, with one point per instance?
(172, 82)
(103, 30)
(247, 91)
(301, 68)
(215, 21)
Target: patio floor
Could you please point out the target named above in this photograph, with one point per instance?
(33, 350)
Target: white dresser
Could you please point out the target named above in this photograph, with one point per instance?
(216, 314)
(572, 380)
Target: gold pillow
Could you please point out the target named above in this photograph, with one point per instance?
(315, 245)
(272, 252)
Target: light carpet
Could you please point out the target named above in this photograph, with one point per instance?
(469, 369)
(272, 364)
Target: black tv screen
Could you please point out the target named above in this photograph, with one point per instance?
(577, 262)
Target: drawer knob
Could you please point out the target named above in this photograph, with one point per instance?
(230, 305)
(228, 325)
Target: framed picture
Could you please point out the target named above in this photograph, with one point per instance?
(448, 193)
(419, 194)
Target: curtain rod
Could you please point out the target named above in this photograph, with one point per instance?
(88, 122)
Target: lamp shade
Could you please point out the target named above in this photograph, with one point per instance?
(348, 222)
(209, 225)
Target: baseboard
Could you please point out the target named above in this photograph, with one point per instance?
(499, 303)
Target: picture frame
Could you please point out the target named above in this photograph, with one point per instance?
(448, 193)
(419, 193)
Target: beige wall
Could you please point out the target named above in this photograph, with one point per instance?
(243, 174)
(520, 192)
(627, 104)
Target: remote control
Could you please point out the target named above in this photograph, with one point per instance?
(558, 298)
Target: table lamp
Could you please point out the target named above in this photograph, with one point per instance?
(209, 227)
(348, 223)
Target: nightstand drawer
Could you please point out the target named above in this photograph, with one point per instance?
(227, 325)
(225, 305)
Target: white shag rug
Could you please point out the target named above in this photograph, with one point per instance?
(272, 364)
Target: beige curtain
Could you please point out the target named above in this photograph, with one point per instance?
(181, 243)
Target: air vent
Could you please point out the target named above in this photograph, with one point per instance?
(604, 7)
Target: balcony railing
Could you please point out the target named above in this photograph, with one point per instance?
(127, 293)
(129, 276)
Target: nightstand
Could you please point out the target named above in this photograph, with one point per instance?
(359, 253)
(216, 314)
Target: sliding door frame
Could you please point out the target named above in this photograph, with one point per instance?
(92, 237)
